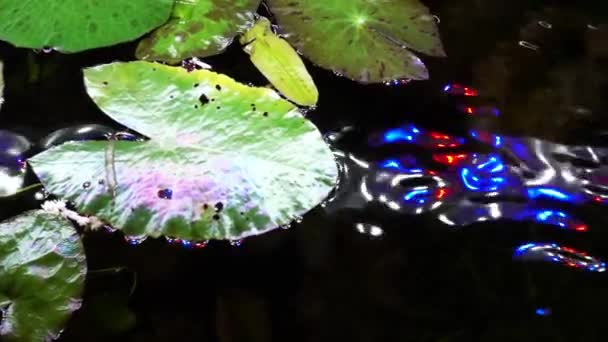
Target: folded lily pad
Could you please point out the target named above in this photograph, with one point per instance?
(198, 28)
(225, 160)
(42, 271)
(76, 25)
(367, 41)
(280, 63)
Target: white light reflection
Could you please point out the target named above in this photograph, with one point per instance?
(393, 205)
(494, 210)
(9, 185)
(375, 231)
(436, 205)
(440, 182)
(548, 173)
(398, 178)
(369, 229)
(593, 154)
(83, 130)
(365, 192)
(359, 162)
(446, 220)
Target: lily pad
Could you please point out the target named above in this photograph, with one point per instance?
(198, 28)
(42, 272)
(225, 160)
(76, 25)
(280, 63)
(367, 41)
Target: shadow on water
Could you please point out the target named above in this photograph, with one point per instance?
(471, 207)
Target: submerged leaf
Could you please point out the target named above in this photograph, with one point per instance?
(42, 271)
(280, 63)
(76, 25)
(225, 160)
(364, 40)
(198, 28)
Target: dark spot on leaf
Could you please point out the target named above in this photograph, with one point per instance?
(218, 107)
(196, 85)
(265, 114)
(195, 106)
(242, 213)
(205, 206)
(92, 27)
(86, 185)
(219, 206)
(171, 96)
(218, 87)
(105, 83)
(101, 182)
(203, 99)
(216, 217)
(165, 194)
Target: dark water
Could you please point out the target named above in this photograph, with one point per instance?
(463, 214)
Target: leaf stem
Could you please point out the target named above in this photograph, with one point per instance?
(27, 188)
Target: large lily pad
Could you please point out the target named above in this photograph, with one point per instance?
(280, 63)
(198, 28)
(225, 160)
(42, 271)
(367, 41)
(76, 25)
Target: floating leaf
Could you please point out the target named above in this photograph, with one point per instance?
(280, 63)
(76, 25)
(225, 160)
(198, 28)
(364, 40)
(42, 271)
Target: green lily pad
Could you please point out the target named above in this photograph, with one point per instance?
(198, 28)
(280, 63)
(76, 25)
(367, 41)
(42, 272)
(225, 160)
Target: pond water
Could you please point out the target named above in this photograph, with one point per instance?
(471, 207)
